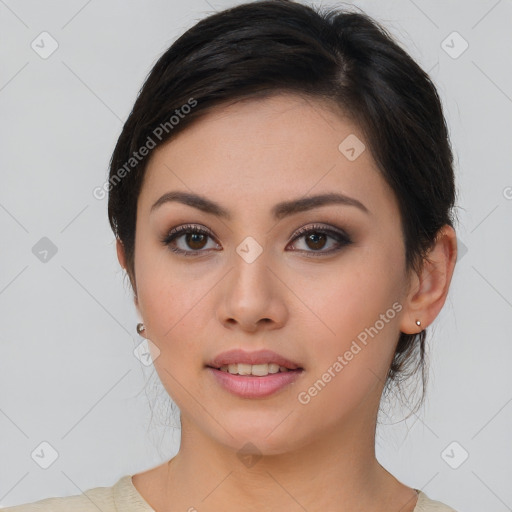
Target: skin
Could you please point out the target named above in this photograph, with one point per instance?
(247, 157)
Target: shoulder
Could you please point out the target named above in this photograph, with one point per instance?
(106, 499)
(425, 504)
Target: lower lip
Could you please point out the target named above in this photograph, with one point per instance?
(250, 386)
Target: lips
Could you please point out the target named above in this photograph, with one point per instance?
(252, 358)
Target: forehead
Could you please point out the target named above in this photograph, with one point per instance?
(268, 149)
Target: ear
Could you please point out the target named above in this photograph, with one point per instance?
(121, 256)
(429, 290)
(120, 253)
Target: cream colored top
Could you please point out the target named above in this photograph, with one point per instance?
(124, 497)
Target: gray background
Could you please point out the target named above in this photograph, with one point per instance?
(68, 374)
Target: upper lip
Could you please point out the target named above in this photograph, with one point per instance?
(257, 357)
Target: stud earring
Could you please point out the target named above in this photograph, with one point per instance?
(418, 323)
(140, 328)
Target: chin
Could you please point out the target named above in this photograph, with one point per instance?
(266, 435)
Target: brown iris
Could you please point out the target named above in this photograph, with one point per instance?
(196, 241)
(317, 239)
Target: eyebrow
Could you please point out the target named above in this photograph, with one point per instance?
(279, 211)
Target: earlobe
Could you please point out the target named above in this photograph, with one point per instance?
(431, 286)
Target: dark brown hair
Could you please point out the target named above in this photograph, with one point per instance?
(338, 56)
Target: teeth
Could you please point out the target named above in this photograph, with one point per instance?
(259, 370)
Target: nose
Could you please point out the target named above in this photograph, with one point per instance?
(252, 298)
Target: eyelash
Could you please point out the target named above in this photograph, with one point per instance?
(341, 238)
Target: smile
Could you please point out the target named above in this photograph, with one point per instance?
(258, 370)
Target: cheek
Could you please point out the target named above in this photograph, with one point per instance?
(172, 310)
(175, 303)
(359, 312)
(353, 299)
(352, 356)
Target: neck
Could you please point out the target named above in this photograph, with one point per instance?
(335, 471)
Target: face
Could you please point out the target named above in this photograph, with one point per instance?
(318, 283)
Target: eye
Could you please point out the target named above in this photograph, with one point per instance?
(317, 238)
(193, 239)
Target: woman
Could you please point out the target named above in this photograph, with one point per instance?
(282, 197)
